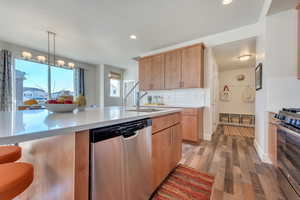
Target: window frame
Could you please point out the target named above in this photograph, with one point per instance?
(115, 76)
(49, 89)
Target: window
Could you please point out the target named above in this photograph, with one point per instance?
(114, 87)
(115, 84)
(31, 80)
(62, 82)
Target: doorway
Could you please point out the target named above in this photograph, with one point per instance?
(236, 62)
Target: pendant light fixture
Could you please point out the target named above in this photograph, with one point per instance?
(51, 35)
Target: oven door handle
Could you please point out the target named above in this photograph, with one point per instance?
(288, 130)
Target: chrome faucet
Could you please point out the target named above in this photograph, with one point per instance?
(138, 96)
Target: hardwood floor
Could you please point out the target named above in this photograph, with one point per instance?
(239, 131)
(239, 173)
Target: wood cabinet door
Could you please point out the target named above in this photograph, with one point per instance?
(173, 69)
(192, 67)
(176, 145)
(190, 128)
(273, 143)
(145, 73)
(157, 78)
(161, 156)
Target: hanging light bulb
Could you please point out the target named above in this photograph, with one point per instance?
(26, 55)
(71, 65)
(41, 59)
(60, 63)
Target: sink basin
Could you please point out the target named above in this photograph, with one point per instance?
(144, 110)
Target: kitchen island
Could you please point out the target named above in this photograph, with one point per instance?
(57, 144)
(20, 126)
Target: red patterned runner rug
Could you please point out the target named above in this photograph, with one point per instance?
(185, 183)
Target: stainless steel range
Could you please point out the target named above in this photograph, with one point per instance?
(288, 152)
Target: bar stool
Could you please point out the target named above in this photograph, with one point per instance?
(9, 154)
(14, 177)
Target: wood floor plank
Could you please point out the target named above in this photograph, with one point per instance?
(239, 131)
(217, 194)
(233, 160)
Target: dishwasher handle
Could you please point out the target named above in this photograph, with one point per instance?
(127, 130)
(130, 136)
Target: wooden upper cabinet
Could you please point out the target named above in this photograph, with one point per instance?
(181, 68)
(173, 69)
(157, 81)
(144, 73)
(192, 67)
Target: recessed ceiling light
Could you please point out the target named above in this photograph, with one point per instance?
(244, 57)
(227, 2)
(133, 37)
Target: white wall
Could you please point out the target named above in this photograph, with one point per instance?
(282, 55)
(131, 73)
(90, 87)
(277, 48)
(99, 85)
(261, 98)
(236, 104)
(211, 110)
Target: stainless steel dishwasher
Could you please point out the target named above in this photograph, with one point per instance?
(121, 161)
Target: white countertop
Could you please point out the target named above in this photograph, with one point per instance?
(172, 106)
(20, 126)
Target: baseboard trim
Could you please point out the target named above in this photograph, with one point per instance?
(207, 137)
(262, 155)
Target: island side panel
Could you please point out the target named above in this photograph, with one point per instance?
(53, 159)
(82, 159)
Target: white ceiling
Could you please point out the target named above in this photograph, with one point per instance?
(226, 55)
(97, 31)
(281, 5)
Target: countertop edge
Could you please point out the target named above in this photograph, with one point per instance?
(72, 130)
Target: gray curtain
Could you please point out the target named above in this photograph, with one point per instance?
(79, 82)
(5, 81)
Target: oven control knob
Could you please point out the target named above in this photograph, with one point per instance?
(298, 123)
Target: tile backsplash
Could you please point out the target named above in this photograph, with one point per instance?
(180, 97)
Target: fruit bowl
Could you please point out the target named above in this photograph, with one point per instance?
(60, 108)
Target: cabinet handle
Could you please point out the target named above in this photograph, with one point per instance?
(182, 84)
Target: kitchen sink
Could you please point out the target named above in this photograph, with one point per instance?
(144, 110)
